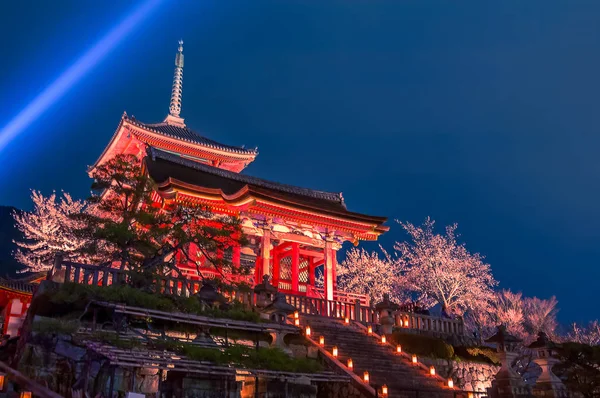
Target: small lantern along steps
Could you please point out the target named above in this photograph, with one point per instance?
(413, 358)
(371, 357)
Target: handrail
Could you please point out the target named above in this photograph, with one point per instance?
(200, 320)
(27, 384)
(342, 296)
(408, 321)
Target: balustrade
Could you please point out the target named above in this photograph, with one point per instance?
(367, 315)
(354, 310)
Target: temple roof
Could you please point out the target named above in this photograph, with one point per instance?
(185, 134)
(163, 167)
(16, 285)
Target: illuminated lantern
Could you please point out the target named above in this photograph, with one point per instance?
(334, 351)
(322, 340)
(370, 330)
(398, 348)
(25, 394)
(450, 383)
(432, 370)
(400, 323)
(296, 315)
(297, 322)
(383, 339)
(347, 320)
(384, 390)
(414, 358)
(2, 376)
(350, 364)
(307, 331)
(366, 377)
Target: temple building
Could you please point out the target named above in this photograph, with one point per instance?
(292, 231)
(15, 297)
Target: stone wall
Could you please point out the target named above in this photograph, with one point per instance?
(467, 376)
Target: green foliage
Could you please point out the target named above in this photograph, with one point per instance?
(234, 334)
(423, 345)
(237, 355)
(477, 354)
(55, 326)
(579, 368)
(115, 340)
(486, 352)
(73, 295)
(130, 228)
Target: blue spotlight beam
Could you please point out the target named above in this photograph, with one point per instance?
(74, 73)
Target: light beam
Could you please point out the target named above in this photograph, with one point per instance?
(74, 73)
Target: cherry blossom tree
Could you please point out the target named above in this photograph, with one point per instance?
(540, 316)
(49, 229)
(480, 321)
(523, 317)
(508, 309)
(443, 271)
(589, 335)
(369, 273)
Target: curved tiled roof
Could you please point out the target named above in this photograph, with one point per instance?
(19, 286)
(185, 134)
(332, 197)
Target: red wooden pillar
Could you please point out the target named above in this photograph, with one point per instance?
(333, 266)
(311, 272)
(258, 270)
(236, 260)
(295, 267)
(327, 270)
(276, 271)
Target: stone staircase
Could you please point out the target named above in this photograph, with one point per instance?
(384, 365)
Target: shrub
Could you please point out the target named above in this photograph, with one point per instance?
(423, 345)
(76, 296)
(74, 293)
(55, 326)
(482, 354)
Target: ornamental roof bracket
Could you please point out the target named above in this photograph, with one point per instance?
(176, 92)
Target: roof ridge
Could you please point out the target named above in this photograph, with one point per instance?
(330, 196)
(190, 136)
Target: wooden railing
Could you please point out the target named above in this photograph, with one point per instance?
(428, 323)
(88, 274)
(344, 297)
(408, 321)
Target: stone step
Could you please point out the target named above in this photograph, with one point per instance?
(380, 360)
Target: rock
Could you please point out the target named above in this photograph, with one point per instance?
(68, 350)
(313, 352)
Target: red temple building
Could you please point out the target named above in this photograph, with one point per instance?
(15, 297)
(292, 231)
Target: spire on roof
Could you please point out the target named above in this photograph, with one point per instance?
(175, 108)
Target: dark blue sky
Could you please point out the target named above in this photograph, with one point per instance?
(481, 113)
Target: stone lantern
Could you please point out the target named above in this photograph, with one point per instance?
(279, 309)
(547, 384)
(507, 382)
(210, 297)
(386, 317)
(264, 292)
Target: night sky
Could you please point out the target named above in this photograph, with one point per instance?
(480, 113)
